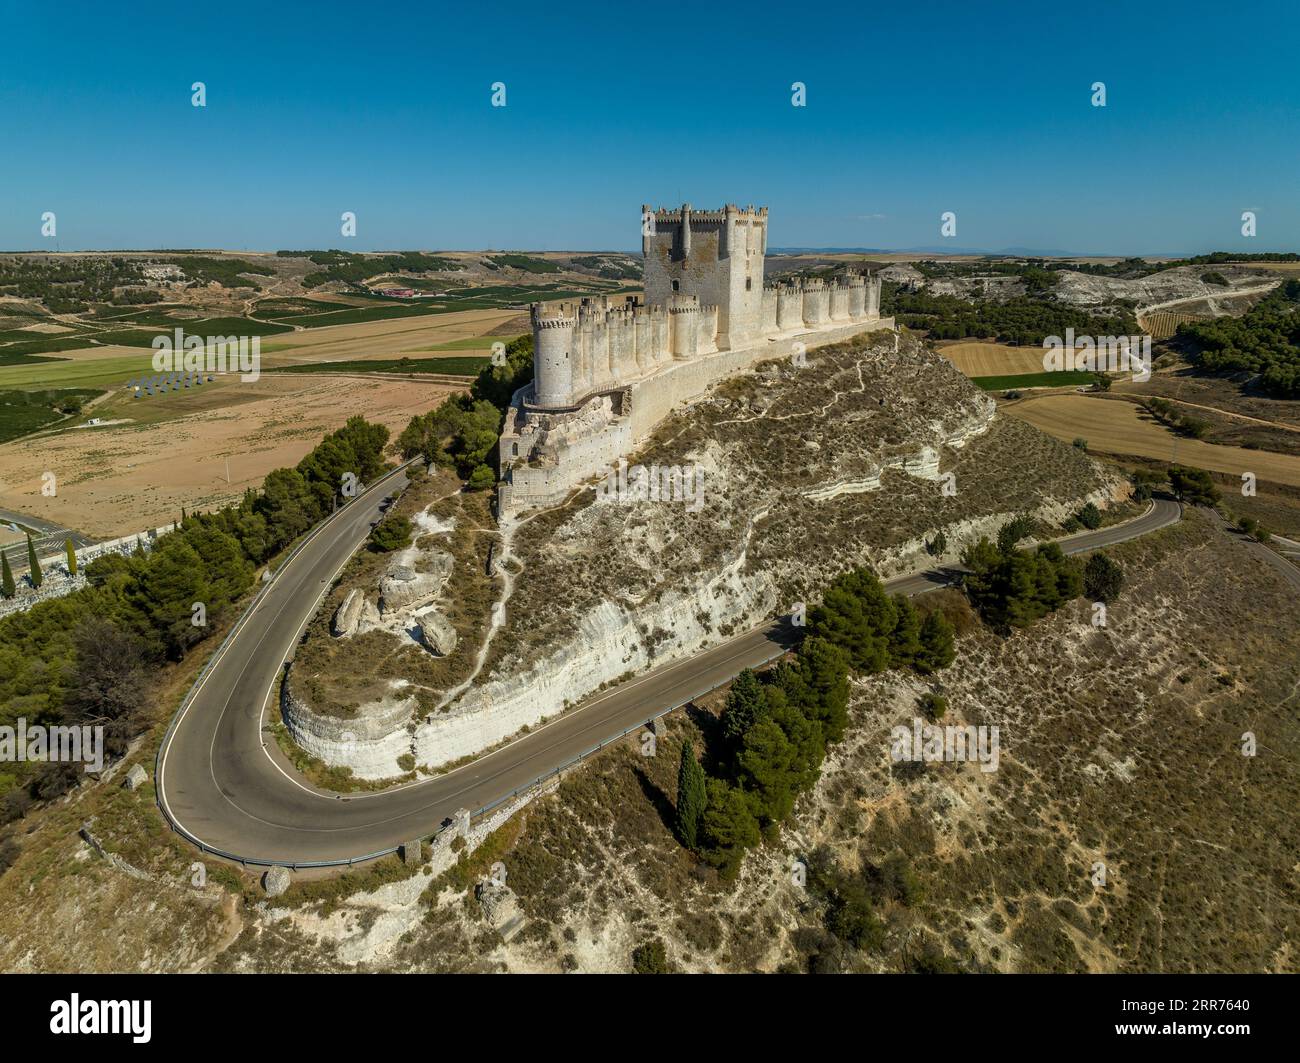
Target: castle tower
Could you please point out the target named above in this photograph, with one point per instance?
(789, 307)
(873, 296)
(816, 303)
(684, 319)
(554, 326)
(716, 256)
(857, 296)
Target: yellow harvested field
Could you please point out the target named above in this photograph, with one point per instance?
(1116, 427)
(993, 359)
(119, 479)
(381, 339)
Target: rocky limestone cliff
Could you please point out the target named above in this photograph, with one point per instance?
(857, 455)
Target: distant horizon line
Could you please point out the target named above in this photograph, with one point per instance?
(793, 249)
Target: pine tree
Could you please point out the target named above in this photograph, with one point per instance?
(937, 649)
(691, 797)
(1102, 578)
(743, 707)
(729, 828)
(33, 565)
(905, 639)
(72, 558)
(7, 587)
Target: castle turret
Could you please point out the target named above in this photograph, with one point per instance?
(839, 301)
(554, 326)
(684, 325)
(789, 308)
(816, 303)
(873, 296)
(857, 297)
(770, 298)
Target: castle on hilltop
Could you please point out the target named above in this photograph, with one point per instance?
(605, 373)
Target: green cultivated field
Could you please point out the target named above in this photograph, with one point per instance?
(102, 373)
(352, 315)
(26, 411)
(445, 366)
(1033, 380)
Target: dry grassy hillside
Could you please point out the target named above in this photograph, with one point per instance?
(1120, 746)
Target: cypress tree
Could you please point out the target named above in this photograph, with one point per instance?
(72, 558)
(7, 587)
(33, 564)
(691, 797)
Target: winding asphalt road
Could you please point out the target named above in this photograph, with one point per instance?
(221, 783)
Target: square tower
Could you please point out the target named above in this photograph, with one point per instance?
(715, 255)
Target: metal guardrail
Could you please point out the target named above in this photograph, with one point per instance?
(212, 661)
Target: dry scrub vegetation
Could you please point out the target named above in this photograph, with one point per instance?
(1118, 745)
(338, 676)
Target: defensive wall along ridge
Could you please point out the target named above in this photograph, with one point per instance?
(605, 374)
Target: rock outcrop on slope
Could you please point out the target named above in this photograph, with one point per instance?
(1168, 286)
(793, 472)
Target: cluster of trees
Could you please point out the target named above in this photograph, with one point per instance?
(1250, 526)
(353, 268)
(775, 732)
(462, 432)
(1089, 516)
(1012, 588)
(527, 263)
(851, 900)
(85, 657)
(1171, 416)
(1140, 267)
(1193, 486)
(776, 728)
(876, 631)
(1034, 272)
(1024, 320)
(71, 287)
(227, 272)
(136, 297)
(1264, 341)
(610, 267)
(67, 287)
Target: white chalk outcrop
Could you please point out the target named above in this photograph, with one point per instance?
(807, 470)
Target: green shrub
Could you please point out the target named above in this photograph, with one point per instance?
(935, 706)
(650, 957)
(1102, 578)
(392, 533)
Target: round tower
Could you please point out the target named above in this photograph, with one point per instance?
(553, 334)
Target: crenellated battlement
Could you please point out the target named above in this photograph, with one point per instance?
(704, 295)
(605, 373)
(729, 212)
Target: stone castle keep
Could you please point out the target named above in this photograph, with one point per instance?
(605, 374)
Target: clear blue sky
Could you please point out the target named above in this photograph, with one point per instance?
(913, 109)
